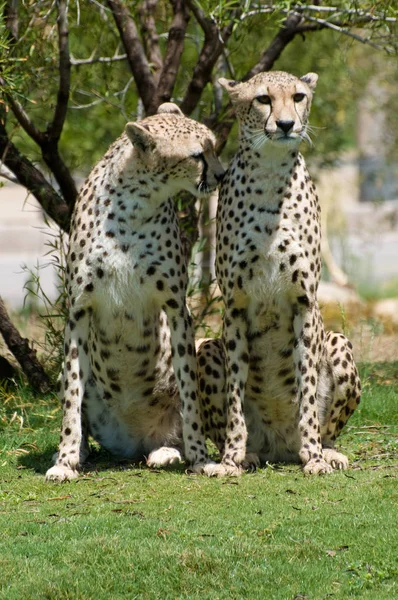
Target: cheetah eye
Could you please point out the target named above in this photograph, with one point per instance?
(298, 97)
(198, 156)
(264, 99)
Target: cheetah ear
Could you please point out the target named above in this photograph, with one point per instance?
(231, 86)
(310, 79)
(227, 84)
(140, 137)
(169, 108)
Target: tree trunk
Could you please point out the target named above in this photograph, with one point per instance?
(24, 354)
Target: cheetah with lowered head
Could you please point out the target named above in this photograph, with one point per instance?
(129, 375)
(277, 387)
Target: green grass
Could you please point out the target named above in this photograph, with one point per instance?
(123, 531)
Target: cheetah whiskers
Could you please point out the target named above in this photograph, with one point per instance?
(306, 137)
(310, 130)
(260, 142)
(257, 139)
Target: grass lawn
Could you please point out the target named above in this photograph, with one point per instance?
(125, 532)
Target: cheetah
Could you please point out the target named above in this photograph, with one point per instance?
(129, 377)
(276, 387)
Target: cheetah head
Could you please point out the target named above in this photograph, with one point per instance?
(177, 151)
(272, 107)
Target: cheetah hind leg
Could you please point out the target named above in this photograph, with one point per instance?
(340, 394)
(211, 375)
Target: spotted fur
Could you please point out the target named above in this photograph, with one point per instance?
(277, 387)
(129, 376)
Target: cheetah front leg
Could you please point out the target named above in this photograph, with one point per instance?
(76, 371)
(236, 364)
(306, 357)
(212, 393)
(185, 369)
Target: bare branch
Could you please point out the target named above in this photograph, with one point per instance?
(48, 141)
(343, 28)
(146, 12)
(375, 15)
(341, 20)
(213, 46)
(284, 36)
(49, 146)
(29, 176)
(77, 62)
(135, 52)
(172, 59)
(357, 12)
(24, 354)
(54, 130)
(201, 17)
(5, 173)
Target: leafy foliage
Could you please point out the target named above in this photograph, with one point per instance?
(103, 93)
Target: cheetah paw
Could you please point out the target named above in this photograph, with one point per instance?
(163, 456)
(251, 462)
(317, 467)
(222, 470)
(337, 460)
(60, 474)
(200, 468)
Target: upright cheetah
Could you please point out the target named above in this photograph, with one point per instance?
(277, 387)
(130, 365)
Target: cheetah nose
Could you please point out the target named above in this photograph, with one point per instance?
(219, 176)
(286, 126)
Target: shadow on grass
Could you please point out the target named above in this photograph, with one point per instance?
(377, 414)
(98, 460)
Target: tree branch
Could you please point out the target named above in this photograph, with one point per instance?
(49, 145)
(29, 176)
(48, 140)
(172, 59)
(213, 46)
(54, 130)
(6, 173)
(24, 354)
(149, 34)
(135, 52)
(342, 27)
(77, 62)
(284, 36)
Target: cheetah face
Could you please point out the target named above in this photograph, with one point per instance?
(273, 107)
(179, 152)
